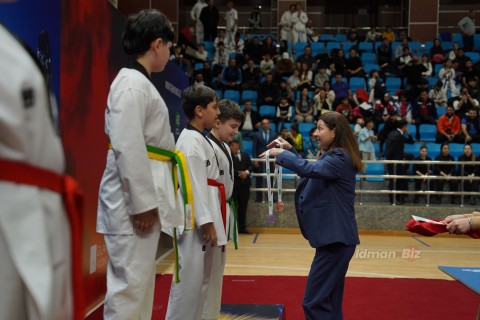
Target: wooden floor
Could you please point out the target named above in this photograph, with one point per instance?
(400, 255)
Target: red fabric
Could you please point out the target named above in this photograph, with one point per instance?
(431, 229)
(223, 198)
(443, 124)
(22, 173)
(362, 94)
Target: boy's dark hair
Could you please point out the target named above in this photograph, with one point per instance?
(194, 96)
(230, 110)
(401, 123)
(144, 27)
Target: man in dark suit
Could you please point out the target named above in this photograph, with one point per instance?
(261, 139)
(394, 151)
(242, 166)
(252, 120)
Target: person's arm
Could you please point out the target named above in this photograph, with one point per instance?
(461, 24)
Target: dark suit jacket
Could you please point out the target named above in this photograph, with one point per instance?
(395, 144)
(325, 197)
(254, 117)
(244, 164)
(259, 144)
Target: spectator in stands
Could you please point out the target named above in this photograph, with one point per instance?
(198, 56)
(452, 55)
(294, 80)
(366, 139)
(284, 67)
(209, 17)
(286, 24)
(424, 112)
(284, 112)
(198, 81)
(473, 87)
(231, 22)
(372, 35)
(307, 58)
(237, 46)
(207, 72)
(354, 65)
(253, 50)
(468, 73)
(389, 34)
(464, 102)
(353, 34)
(447, 171)
(267, 66)
(195, 15)
(414, 93)
(251, 76)
(399, 49)
(402, 61)
(320, 103)
(186, 37)
(341, 90)
(339, 63)
(413, 72)
(312, 151)
(255, 19)
(428, 66)
(330, 93)
(437, 54)
(285, 91)
(320, 77)
(299, 22)
(462, 58)
(304, 108)
(422, 170)
(232, 76)
(346, 109)
(449, 127)
(376, 85)
(471, 126)
(395, 151)
(447, 75)
(283, 47)
(269, 92)
(389, 122)
(269, 48)
(467, 27)
(402, 34)
(305, 77)
(312, 35)
(438, 94)
(252, 120)
(383, 107)
(261, 139)
(296, 138)
(177, 57)
(467, 170)
(384, 53)
(221, 55)
(403, 107)
(219, 38)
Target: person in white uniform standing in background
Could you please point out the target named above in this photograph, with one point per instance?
(231, 19)
(137, 195)
(299, 22)
(35, 235)
(195, 15)
(286, 24)
(230, 119)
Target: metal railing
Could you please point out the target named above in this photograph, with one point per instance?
(361, 190)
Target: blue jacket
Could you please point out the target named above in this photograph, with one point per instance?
(325, 196)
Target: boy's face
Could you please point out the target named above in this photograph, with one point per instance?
(228, 129)
(210, 114)
(163, 53)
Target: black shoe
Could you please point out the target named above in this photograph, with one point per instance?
(244, 231)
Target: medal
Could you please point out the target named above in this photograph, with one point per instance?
(280, 206)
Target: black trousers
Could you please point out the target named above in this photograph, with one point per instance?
(241, 197)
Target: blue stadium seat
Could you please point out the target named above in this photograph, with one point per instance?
(209, 47)
(428, 46)
(456, 150)
(393, 84)
(433, 149)
(268, 111)
(411, 148)
(457, 37)
(476, 41)
(340, 37)
(327, 37)
(380, 126)
(272, 126)
(365, 46)
(198, 66)
(432, 81)
(318, 48)
(333, 45)
(441, 111)
(219, 94)
(448, 45)
(357, 83)
(371, 66)
(347, 45)
(251, 95)
(309, 94)
(438, 66)
(368, 57)
(299, 47)
(428, 132)
(248, 147)
(304, 128)
(287, 126)
(415, 47)
(376, 147)
(374, 169)
(233, 95)
(475, 56)
(413, 130)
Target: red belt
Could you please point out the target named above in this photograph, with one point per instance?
(17, 172)
(223, 198)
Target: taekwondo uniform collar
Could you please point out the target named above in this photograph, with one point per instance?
(134, 64)
(222, 147)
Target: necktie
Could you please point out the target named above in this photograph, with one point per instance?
(239, 157)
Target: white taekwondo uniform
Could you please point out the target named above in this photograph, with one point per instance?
(299, 31)
(231, 21)
(136, 116)
(187, 298)
(35, 263)
(195, 15)
(286, 24)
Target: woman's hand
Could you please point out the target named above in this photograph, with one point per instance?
(459, 226)
(272, 152)
(453, 217)
(280, 143)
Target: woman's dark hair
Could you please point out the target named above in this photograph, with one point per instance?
(344, 137)
(144, 27)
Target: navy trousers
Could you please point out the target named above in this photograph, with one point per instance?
(324, 291)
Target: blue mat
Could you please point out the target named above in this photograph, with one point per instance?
(253, 311)
(469, 276)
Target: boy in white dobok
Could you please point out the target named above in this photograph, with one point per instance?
(230, 119)
(196, 247)
(137, 193)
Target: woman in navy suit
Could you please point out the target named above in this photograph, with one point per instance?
(324, 202)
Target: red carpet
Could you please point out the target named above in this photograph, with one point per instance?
(365, 298)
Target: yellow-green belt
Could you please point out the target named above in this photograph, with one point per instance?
(232, 204)
(178, 163)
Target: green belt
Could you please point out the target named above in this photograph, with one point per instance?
(232, 204)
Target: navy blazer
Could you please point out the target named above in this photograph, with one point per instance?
(325, 197)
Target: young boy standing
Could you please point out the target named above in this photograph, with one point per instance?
(230, 119)
(137, 187)
(196, 247)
